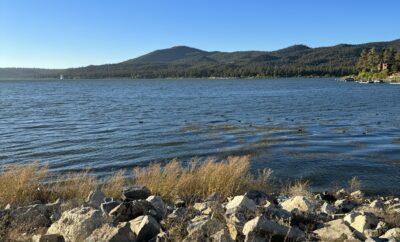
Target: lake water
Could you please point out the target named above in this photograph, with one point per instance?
(318, 129)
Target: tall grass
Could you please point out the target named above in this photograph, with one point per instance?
(229, 177)
(24, 184)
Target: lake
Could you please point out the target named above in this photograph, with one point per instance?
(322, 130)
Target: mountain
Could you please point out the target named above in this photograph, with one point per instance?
(183, 61)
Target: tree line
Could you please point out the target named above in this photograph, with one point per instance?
(373, 61)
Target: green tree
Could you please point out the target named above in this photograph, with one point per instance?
(373, 60)
(389, 56)
(397, 62)
(362, 61)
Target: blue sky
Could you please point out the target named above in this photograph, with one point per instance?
(71, 33)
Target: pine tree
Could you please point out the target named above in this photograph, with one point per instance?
(373, 60)
(362, 62)
(397, 63)
(389, 58)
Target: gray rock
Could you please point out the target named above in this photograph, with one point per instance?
(135, 193)
(95, 198)
(127, 211)
(377, 204)
(106, 207)
(145, 228)
(77, 224)
(258, 197)
(48, 238)
(240, 204)
(263, 226)
(107, 233)
(344, 205)
(221, 236)
(328, 208)
(158, 204)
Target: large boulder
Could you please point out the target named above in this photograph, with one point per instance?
(107, 233)
(336, 230)
(240, 204)
(127, 211)
(361, 221)
(77, 224)
(298, 203)
(264, 227)
(95, 198)
(145, 228)
(135, 193)
(392, 234)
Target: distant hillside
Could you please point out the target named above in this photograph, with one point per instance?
(182, 61)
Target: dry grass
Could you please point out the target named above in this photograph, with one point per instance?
(199, 180)
(354, 184)
(298, 188)
(21, 185)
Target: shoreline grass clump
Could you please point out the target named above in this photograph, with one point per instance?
(23, 184)
(228, 177)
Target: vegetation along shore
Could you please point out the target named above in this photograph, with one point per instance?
(208, 201)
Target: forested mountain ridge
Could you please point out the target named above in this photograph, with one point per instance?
(183, 61)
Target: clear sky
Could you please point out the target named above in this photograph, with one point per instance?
(71, 33)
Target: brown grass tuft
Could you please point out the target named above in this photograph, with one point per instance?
(114, 185)
(354, 184)
(298, 188)
(22, 184)
(199, 180)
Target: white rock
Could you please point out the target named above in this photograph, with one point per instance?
(107, 233)
(240, 204)
(344, 205)
(48, 238)
(145, 227)
(336, 230)
(361, 221)
(377, 204)
(357, 194)
(392, 234)
(77, 224)
(299, 203)
(221, 236)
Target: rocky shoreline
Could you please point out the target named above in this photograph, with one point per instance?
(254, 216)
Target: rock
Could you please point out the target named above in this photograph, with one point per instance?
(361, 221)
(262, 226)
(158, 204)
(299, 203)
(235, 223)
(336, 230)
(179, 203)
(240, 204)
(392, 234)
(77, 224)
(203, 227)
(382, 227)
(344, 205)
(341, 193)
(327, 197)
(357, 194)
(377, 204)
(160, 237)
(268, 206)
(328, 208)
(127, 211)
(258, 197)
(221, 236)
(48, 238)
(95, 198)
(145, 227)
(135, 193)
(107, 233)
(106, 207)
